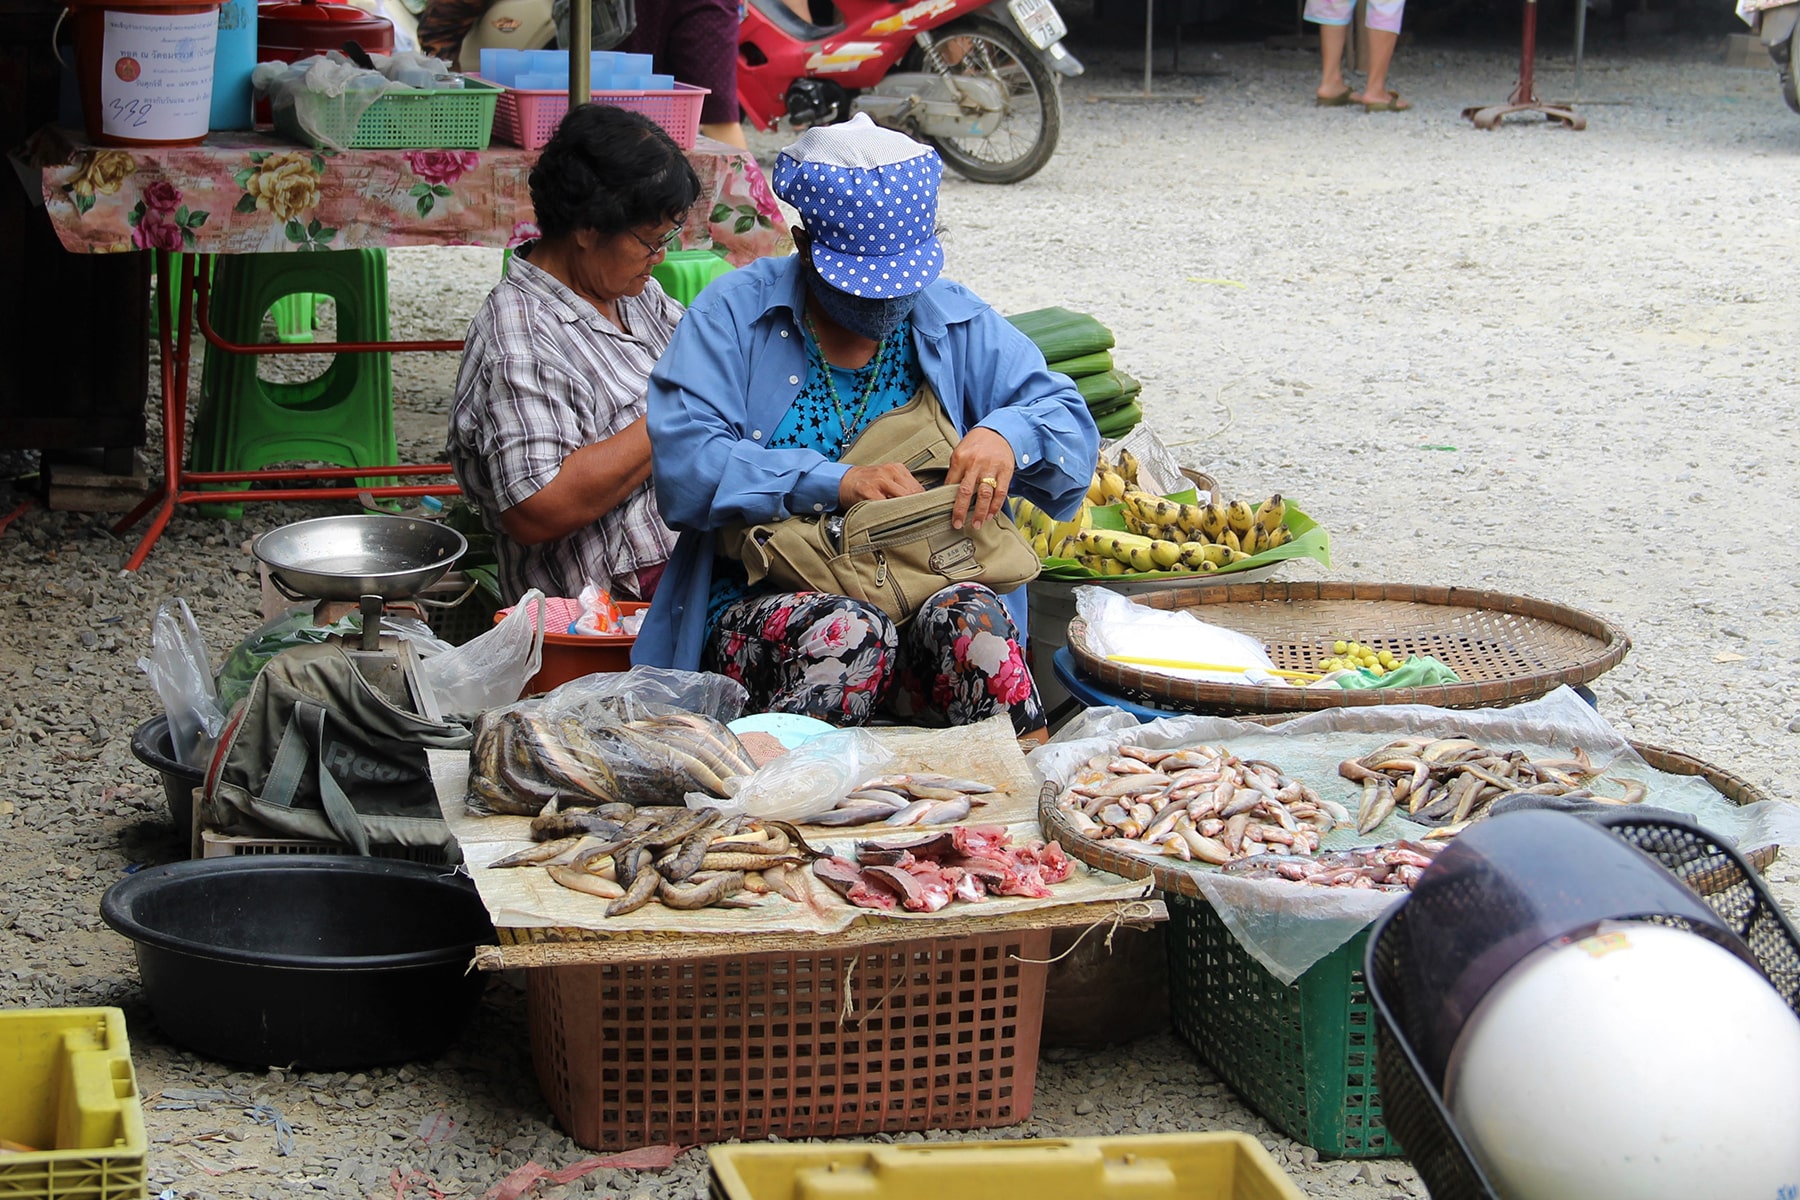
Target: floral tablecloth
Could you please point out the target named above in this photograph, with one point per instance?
(248, 194)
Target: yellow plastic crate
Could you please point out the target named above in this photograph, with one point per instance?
(1169, 1166)
(68, 1091)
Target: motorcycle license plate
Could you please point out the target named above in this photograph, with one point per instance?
(1038, 20)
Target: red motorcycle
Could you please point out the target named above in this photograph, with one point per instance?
(976, 79)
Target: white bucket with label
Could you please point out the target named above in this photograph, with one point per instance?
(146, 69)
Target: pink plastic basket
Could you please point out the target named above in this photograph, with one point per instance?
(528, 118)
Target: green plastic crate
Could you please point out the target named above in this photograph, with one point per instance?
(1301, 1054)
(426, 119)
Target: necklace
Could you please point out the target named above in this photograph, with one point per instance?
(848, 425)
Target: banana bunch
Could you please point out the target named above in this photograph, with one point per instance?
(1049, 537)
(1112, 479)
(1234, 525)
(1164, 535)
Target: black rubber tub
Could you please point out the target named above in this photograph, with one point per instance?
(326, 962)
(153, 746)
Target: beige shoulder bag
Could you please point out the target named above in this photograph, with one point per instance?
(891, 553)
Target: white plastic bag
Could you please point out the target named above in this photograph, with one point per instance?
(179, 671)
(809, 779)
(1116, 625)
(490, 670)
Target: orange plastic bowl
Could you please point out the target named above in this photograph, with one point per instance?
(571, 655)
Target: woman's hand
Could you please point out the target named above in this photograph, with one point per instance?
(882, 482)
(981, 467)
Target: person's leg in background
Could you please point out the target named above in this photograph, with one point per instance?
(696, 41)
(1333, 19)
(1384, 34)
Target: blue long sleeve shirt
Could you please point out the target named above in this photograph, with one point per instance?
(735, 366)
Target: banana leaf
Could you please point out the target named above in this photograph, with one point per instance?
(1085, 364)
(1310, 541)
(1061, 334)
(1105, 408)
(1117, 424)
(1107, 385)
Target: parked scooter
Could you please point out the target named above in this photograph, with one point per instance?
(976, 79)
(1775, 23)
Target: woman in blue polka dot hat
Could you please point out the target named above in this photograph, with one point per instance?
(774, 370)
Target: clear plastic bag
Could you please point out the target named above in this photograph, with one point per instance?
(603, 739)
(809, 779)
(702, 692)
(179, 671)
(489, 670)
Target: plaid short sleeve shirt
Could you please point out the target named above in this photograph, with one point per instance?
(544, 374)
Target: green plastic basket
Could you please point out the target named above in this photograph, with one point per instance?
(427, 119)
(1301, 1054)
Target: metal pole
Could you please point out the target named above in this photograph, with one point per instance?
(1149, 39)
(581, 44)
(1580, 40)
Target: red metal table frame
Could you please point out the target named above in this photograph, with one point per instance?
(182, 302)
(244, 193)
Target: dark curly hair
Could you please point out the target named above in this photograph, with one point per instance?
(610, 170)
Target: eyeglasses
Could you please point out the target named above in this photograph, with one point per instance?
(669, 241)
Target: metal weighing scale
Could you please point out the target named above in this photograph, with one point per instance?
(373, 564)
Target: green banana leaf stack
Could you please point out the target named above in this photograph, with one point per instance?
(1081, 347)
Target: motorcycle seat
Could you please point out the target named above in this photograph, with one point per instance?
(786, 20)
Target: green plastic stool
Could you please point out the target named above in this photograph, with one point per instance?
(294, 315)
(345, 416)
(685, 273)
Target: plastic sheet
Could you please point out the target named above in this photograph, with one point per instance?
(179, 671)
(1289, 926)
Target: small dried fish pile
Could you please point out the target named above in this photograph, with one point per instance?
(523, 762)
(1393, 867)
(914, 799)
(1196, 803)
(686, 858)
(1448, 782)
(966, 862)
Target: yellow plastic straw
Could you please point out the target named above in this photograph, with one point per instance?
(1179, 665)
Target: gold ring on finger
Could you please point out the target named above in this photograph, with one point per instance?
(988, 481)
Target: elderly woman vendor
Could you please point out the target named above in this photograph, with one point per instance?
(547, 430)
(775, 370)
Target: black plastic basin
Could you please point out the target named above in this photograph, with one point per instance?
(320, 961)
(153, 746)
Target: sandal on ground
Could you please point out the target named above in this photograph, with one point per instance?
(1392, 104)
(1338, 101)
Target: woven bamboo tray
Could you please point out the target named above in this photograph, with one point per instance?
(1180, 880)
(1507, 649)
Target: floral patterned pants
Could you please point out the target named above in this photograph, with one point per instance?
(841, 660)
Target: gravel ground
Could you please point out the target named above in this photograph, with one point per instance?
(1317, 301)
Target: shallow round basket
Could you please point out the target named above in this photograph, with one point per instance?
(1180, 880)
(1506, 649)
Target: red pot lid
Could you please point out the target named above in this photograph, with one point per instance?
(340, 21)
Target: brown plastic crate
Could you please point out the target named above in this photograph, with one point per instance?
(933, 1033)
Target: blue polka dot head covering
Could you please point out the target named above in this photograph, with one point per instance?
(868, 197)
